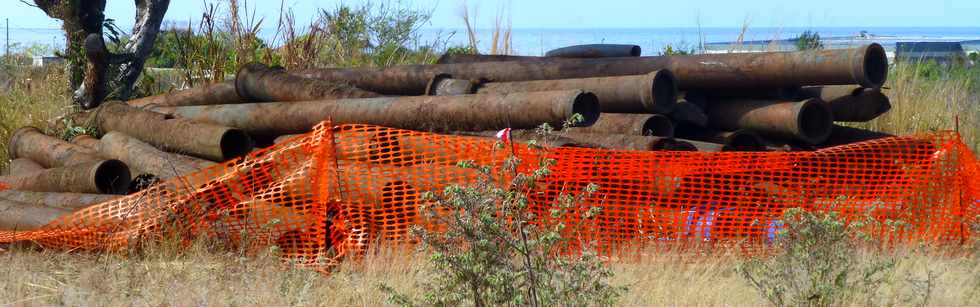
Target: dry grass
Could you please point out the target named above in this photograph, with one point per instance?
(30, 97)
(198, 276)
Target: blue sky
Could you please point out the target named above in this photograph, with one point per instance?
(602, 13)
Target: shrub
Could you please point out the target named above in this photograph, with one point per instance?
(496, 250)
(809, 40)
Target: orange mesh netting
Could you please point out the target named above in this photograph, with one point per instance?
(337, 191)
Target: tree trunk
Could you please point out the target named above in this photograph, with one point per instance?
(149, 16)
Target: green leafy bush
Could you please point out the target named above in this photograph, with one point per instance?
(809, 40)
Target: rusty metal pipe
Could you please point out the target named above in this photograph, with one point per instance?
(689, 113)
(595, 51)
(20, 216)
(738, 140)
(610, 141)
(101, 177)
(850, 103)
(148, 159)
(654, 92)
(468, 112)
(216, 93)
(445, 85)
(866, 65)
(87, 141)
(258, 83)
(635, 124)
(203, 140)
(70, 201)
(48, 151)
(23, 166)
(480, 58)
(809, 120)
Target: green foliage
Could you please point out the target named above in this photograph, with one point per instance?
(817, 262)
(974, 56)
(679, 49)
(809, 40)
(494, 249)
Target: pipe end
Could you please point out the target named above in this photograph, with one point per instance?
(660, 94)
(248, 71)
(872, 71)
(635, 51)
(658, 125)
(113, 177)
(15, 138)
(814, 121)
(235, 143)
(744, 140)
(585, 104)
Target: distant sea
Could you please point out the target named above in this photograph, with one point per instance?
(527, 41)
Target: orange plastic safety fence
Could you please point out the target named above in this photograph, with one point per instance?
(338, 191)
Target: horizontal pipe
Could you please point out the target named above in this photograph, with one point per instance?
(445, 85)
(468, 112)
(595, 51)
(100, 177)
(809, 120)
(866, 65)
(70, 201)
(260, 83)
(87, 141)
(203, 140)
(738, 140)
(22, 166)
(654, 92)
(216, 93)
(689, 113)
(479, 58)
(779, 93)
(48, 151)
(634, 124)
(21, 216)
(609, 141)
(148, 159)
(850, 103)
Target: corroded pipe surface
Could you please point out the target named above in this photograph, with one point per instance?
(258, 82)
(866, 65)
(595, 51)
(208, 141)
(20, 216)
(87, 141)
(690, 113)
(635, 124)
(23, 166)
(146, 158)
(100, 177)
(738, 140)
(479, 58)
(217, 93)
(655, 92)
(809, 120)
(48, 151)
(779, 93)
(611, 141)
(850, 103)
(445, 85)
(70, 201)
(446, 113)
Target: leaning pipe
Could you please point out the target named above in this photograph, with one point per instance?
(634, 124)
(468, 112)
(850, 103)
(809, 120)
(208, 141)
(258, 82)
(23, 166)
(21, 216)
(100, 177)
(48, 151)
(866, 65)
(654, 92)
(217, 93)
(70, 201)
(595, 51)
(147, 159)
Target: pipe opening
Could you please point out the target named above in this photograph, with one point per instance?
(875, 66)
(635, 51)
(235, 143)
(587, 105)
(664, 91)
(658, 125)
(113, 177)
(745, 141)
(815, 121)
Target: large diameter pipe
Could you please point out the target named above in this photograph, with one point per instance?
(23, 166)
(850, 103)
(595, 51)
(866, 65)
(100, 177)
(70, 201)
(738, 140)
(468, 112)
(654, 92)
(208, 141)
(48, 151)
(148, 159)
(216, 93)
(809, 120)
(635, 124)
(689, 113)
(258, 82)
(20, 216)
(480, 58)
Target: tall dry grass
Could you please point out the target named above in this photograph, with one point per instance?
(31, 97)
